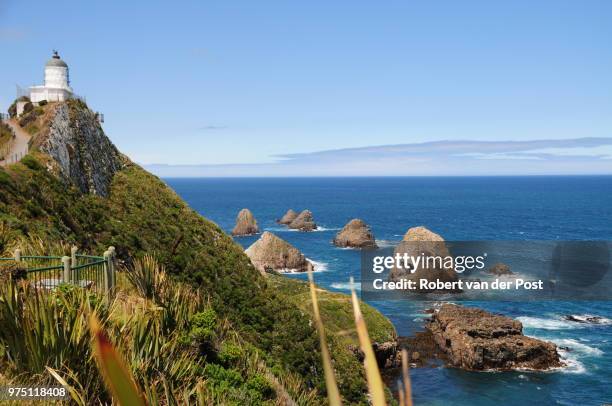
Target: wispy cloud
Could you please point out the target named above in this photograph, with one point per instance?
(212, 127)
(536, 157)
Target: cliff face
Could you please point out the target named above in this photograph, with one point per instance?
(84, 155)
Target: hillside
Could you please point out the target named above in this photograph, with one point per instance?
(75, 187)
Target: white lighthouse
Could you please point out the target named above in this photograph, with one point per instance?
(57, 82)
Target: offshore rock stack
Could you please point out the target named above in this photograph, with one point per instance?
(245, 224)
(355, 234)
(303, 222)
(421, 241)
(270, 253)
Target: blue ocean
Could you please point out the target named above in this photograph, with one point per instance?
(460, 209)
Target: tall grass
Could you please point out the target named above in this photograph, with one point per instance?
(376, 387)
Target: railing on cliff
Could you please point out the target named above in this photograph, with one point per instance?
(87, 271)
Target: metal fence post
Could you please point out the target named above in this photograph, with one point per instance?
(73, 263)
(17, 255)
(66, 275)
(113, 265)
(107, 270)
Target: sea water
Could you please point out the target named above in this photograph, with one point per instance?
(460, 209)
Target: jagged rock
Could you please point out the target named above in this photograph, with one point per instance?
(500, 269)
(418, 241)
(84, 155)
(288, 217)
(245, 224)
(303, 222)
(271, 253)
(474, 339)
(355, 234)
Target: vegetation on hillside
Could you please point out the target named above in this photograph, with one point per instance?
(143, 216)
(6, 136)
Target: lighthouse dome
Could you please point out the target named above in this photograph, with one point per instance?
(56, 61)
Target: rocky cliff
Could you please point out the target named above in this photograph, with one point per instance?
(83, 154)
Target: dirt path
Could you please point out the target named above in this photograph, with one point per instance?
(20, 144)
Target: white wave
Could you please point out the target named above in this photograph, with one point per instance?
(546, 324)
(572, 365)
(346, 286)
(577, 346)
(318, 266)
(319, 228)
(385, 243)
(293, 230)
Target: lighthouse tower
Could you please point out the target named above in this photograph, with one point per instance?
(57, 82)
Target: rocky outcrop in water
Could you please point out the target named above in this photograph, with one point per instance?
(288, 217)
(355, 234)
(500, 269)
(587, 319)
(271, 253)
(85, 157)
(419, 241)
(303, 222)
(474, 339)
(245, 224)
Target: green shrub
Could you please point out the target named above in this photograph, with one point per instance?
(42, 103)
(27, 107)
(31, 163)
(12, 110)
(219, 375)
(204, 325)
(260, 385)
(230, 354)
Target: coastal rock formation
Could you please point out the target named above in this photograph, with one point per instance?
(303, 222)
(355, 234)
(500, 269)
(587, 319)
(271, 253)
(474, 339)
(288, 217)
(419, 241)
(245, 224)
(85, 156)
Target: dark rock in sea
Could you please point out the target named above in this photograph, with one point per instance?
(421, 241)
(288, 217)
(355, 234)
(587, 319)
(500, 269)
(387, 354)
(245, 224)
(271, 253)
(474, 339)
(303, 222)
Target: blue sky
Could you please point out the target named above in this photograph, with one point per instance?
(247, 83)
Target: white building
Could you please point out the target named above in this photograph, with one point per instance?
(57, 82)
